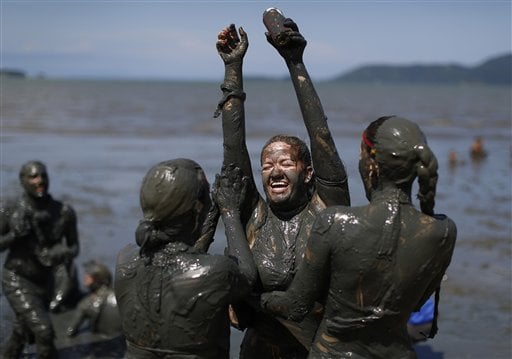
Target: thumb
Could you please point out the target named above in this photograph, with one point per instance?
(243, 37)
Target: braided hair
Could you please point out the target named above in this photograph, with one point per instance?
(400, 148)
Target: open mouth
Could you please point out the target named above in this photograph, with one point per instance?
(40, 189)
(279, 186)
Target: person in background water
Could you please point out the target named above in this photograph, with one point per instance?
(381, 261)
(99, 307)
(453, 159)
(173, 298)
(298, 185)
(41, 236)
(477, 151)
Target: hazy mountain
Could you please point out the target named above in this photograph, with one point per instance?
(497, 70)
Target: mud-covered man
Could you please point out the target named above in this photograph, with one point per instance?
(41, 236)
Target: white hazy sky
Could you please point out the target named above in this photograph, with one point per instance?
(176, 39)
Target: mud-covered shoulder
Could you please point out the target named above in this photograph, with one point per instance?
(127, 260)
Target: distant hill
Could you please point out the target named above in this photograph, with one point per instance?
(12, 73)
(496, 70)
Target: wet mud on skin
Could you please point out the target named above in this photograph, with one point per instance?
(99, 173)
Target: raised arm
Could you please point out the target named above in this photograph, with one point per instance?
(229, 191)
(232, 48)
(331, 177)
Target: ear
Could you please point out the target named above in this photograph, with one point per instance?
(309, 174)
(374, 173)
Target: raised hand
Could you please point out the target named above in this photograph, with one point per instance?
(289, 43)
(229, 189)
(231, 46)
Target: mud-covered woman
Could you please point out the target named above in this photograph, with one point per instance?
(298, 185)
(173, 298)
(380, 261)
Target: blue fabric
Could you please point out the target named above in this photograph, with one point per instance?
(424, 315)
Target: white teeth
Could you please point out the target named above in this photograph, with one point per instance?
(278, 184)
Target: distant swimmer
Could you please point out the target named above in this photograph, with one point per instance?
(477, 151)
(453, 158)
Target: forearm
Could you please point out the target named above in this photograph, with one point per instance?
(289, 305)
(75, 323)
(233, 129)
(208, 230)
(6, 240)
(72, 243)
(233, 118)
(238, 247)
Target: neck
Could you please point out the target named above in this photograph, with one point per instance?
(37, 202)
(286, 214)
(386, 191)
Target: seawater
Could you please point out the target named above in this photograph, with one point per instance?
(98, 139)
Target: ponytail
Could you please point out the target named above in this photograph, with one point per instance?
(426, 168)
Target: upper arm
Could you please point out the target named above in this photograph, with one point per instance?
(71, 228)
(333, 193)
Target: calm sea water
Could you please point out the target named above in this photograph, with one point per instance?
(98, 139)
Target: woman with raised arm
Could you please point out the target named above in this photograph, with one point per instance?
(381, 261)
(298, 185)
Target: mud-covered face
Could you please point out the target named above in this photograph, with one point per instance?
(284, 176)
(35, 181)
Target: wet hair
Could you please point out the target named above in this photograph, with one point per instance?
(27, 166)
(169, 197)
(99, 272)
(301, 146)
(400, 148)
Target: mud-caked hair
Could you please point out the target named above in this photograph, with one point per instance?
(301, 146)
(171, 195)
(402, 153)
(99, 272)
(25, 168)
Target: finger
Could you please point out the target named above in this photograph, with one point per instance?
(232, 31)
(269, 38)
(223, 34)
(289, 23)
(243, 36)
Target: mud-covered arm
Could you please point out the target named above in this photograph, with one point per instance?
(65, 228)
(16, 225)
(228, 192)
(310, 281)
(330, 172)
(71, 232)
(208, 229)
(448, 232)
(6, 240)
(79, 316)
(6, 236)
(232, 48)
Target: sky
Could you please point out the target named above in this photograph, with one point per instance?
(176, 39)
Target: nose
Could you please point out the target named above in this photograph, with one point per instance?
(277, 171)
(38, 179)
